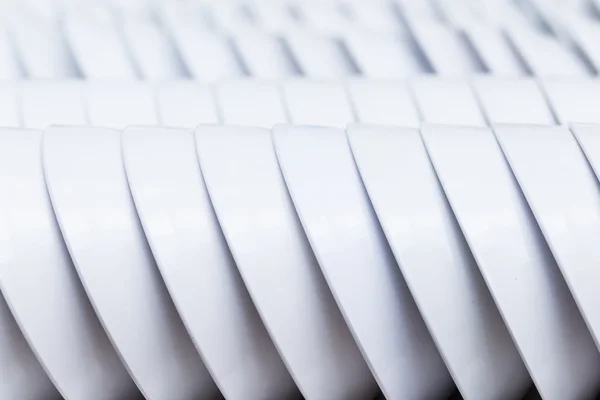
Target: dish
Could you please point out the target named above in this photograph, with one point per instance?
(383, 103)
(117, 104)
(45, 103)
(102, 232)
(44, 292)
(516, 263)
(356, 261)
(562, 191)
(277, 265)
(435, 261)
(446, 101)
(512, 101)
(252, 103)
(186, 105)
(196, 264)
(317, 103)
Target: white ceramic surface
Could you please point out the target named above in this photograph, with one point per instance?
(115, 104)
(228, 15)
(357, 263)
(562, 191)
(252, 102)
(445, 48)
(516, 262)
(196, 264)
(586, 33)
(458, 14)
(382, 56)
(544, 55)
(94, 40)
(42, 287)
(437, 264)
(273, 17)
(277, 264)
(490, 43)
(317, 103)
(45, 103)
(102, 232)
(10, 67)
(10, 114)
(186, 105)
(324, 17)
(446, 101)
(574, 100)
(516, 101)
(376, 15)
(319, 56)
(207, 55)
(42, 47)
(383, 103)
(21, 376)
(264, 54)
(155, 56)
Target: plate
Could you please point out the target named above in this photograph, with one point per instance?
(94, 39)
(545, 55)
(357, 263)
(516, 263)
(445, 48)
(319, 56)
(516, 101)
(383, 56)
(154, 54)
(264, 54)
(573, 99)
(9, 105)
(437, 264)
(41, 47)
(252, 102)
(207, 55)
(45, 103)
(44, 292)
(10, 66)
(98, 220)
(490, 44)
(562, 191)
(383, 103)
(23, 376)
(196, 264)
(117, 104)
(277, 265)
(185, 104)
(446, 101)
(317, 103)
